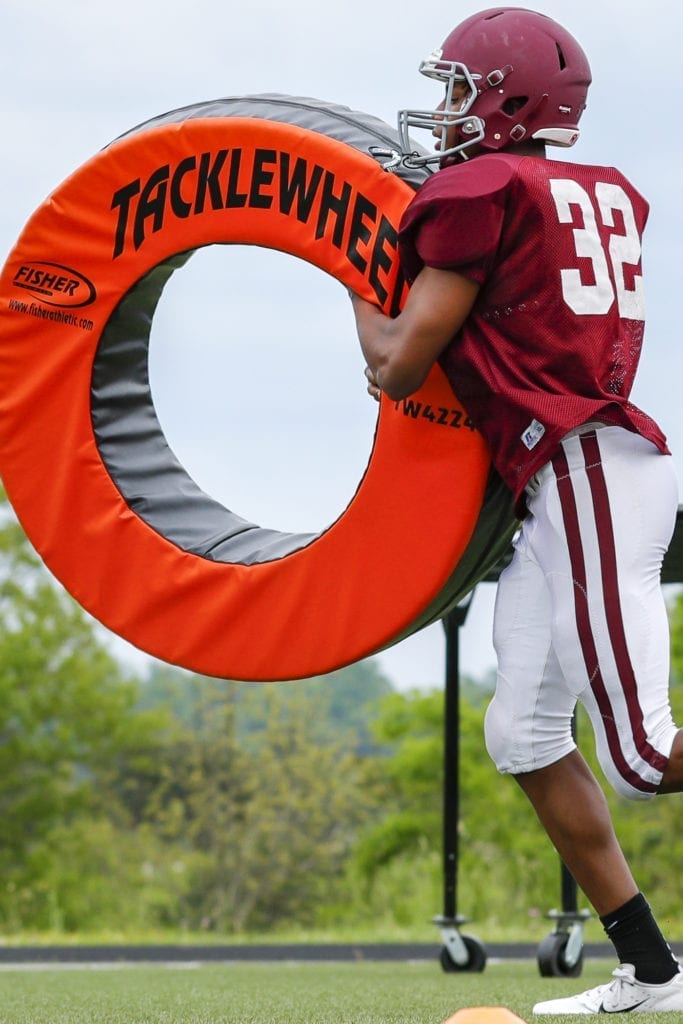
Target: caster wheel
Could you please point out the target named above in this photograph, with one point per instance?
(551, 961)
(476, 960)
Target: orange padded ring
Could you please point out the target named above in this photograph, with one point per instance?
(113, 516)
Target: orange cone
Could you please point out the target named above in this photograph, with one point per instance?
(484, 1015)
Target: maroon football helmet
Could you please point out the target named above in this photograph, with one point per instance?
(523, 75)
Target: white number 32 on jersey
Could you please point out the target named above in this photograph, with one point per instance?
(624, 249)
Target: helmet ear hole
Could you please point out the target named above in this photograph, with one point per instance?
(514, 104)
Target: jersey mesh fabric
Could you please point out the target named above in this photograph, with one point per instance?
(526, 365)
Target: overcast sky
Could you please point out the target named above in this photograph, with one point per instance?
(254, 364)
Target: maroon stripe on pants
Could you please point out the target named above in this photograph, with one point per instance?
(610, 590)
(578, 565)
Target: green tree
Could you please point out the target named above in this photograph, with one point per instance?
(65, 711)
(268, 824)
(345, 701)
(676, 624)
(501, 848)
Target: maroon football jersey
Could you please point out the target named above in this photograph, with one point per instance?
(554, 338)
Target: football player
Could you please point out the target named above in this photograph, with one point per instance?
(526, 287)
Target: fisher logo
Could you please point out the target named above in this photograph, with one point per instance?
(54, 284)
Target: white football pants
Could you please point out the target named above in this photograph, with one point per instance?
(580, 614)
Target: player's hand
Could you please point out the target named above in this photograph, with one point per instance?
(373, 385)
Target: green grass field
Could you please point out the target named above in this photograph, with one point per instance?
(363, 993)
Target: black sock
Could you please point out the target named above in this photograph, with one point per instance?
(638, 941)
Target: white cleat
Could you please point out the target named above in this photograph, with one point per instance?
(625, 994)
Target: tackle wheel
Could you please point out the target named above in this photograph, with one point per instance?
(476, 960)
(551, 957)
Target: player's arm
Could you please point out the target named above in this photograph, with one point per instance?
(400, 352)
